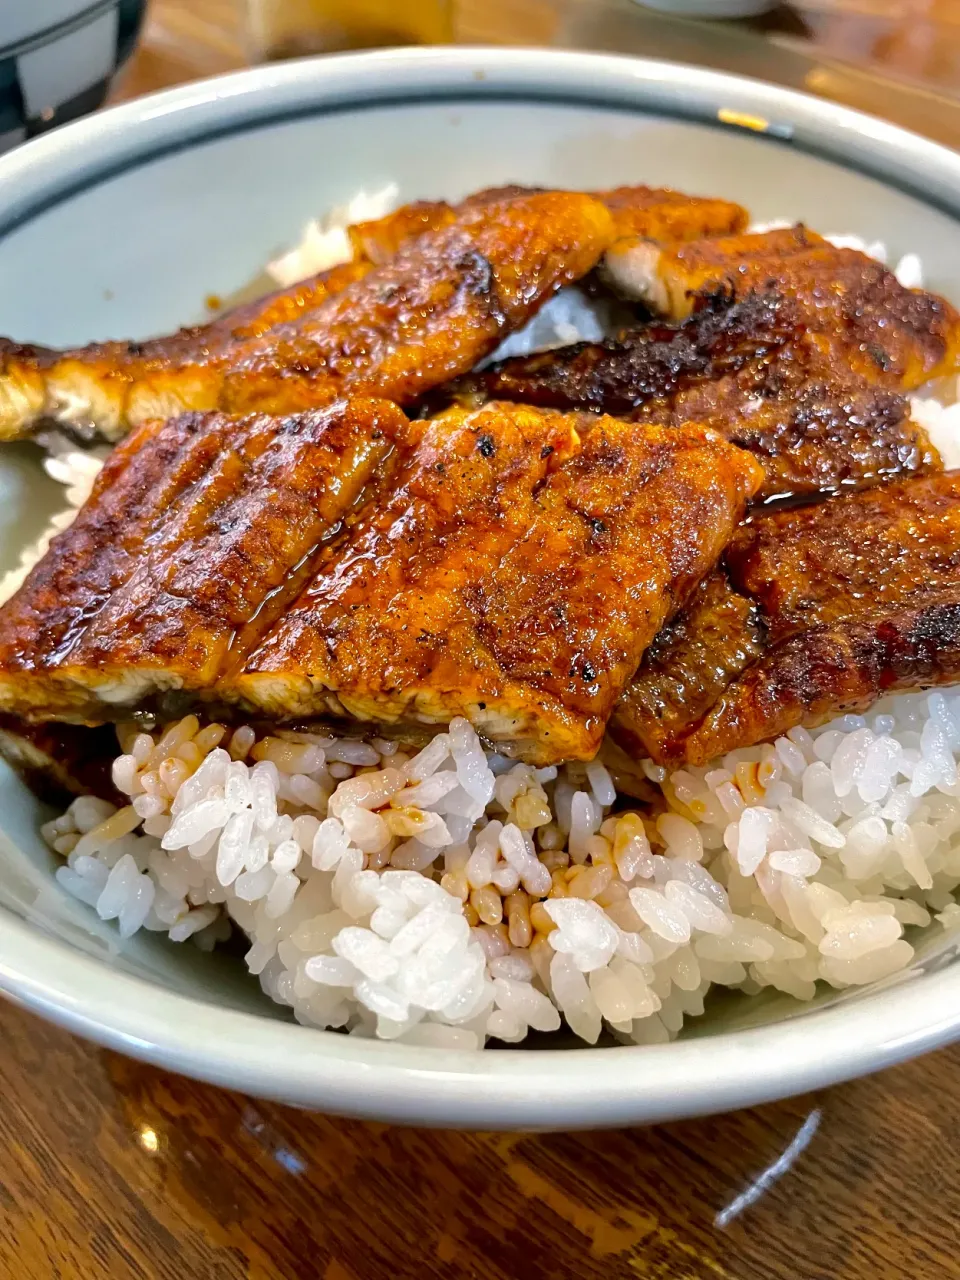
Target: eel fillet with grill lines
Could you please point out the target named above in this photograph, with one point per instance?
(432, 289)
(817, 611)
(742, 368)
(435, 308)
(197, 533)
(515, 576)
(855, 310)
(497, 564)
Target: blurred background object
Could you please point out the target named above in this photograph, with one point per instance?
(58, 58)
(711, 8)
(295, 28)
(894, 58)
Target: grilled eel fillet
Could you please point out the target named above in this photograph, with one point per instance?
(432, 289)
(815, 439)
(740, 368)
(855, 310)
(657, 213)
(646, 362)
(502, 569)
(818, 611)
(197, 533)
(439, 305)
(515, 577)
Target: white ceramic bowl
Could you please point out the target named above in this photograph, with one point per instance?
(119, 225)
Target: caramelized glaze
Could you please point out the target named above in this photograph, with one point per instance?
(515, 576)
(820, 611)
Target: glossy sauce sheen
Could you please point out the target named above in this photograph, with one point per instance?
(750, 370)
(622, 374)
(119, 385)
(814, 436)
(439, 306)
(478, 269)
(194, 527)
(657, 213)
(442, 303)
(515, 576)
(823, 609)
(895, 337)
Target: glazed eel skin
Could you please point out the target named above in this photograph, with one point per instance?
(509, 564)
(751, 369)
(815, 612)
(856, 312)
(431, 311)
(431, 290)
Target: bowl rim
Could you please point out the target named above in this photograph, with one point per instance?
(497, 1088)
(51, 168)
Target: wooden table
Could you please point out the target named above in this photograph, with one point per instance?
(113, 1169)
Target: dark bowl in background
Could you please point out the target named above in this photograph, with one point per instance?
(58, 58)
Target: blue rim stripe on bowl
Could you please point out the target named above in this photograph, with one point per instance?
(232, 104)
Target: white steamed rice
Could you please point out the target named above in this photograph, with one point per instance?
(74, 468)
(451, 896)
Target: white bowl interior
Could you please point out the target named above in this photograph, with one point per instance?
(138, 252)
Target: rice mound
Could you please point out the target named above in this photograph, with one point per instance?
(76, 469)
(454, 895)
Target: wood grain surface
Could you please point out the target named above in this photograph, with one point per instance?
(114, 1169)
